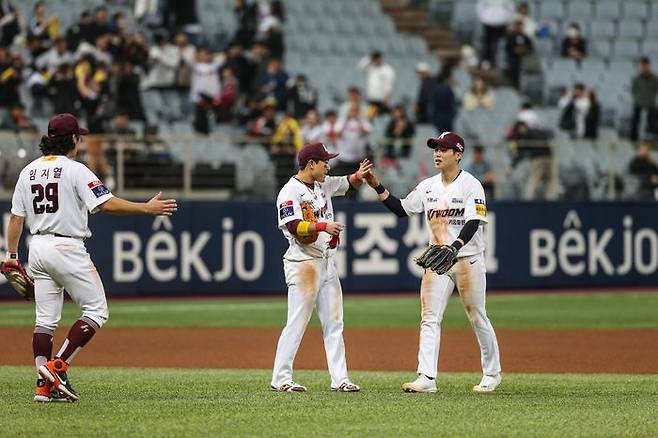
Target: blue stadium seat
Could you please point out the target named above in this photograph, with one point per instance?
(652, 28)
(593, 68)
(638, 10)
(602, 29)
(650, 48)
(621, 67)
(608, 9)
(601, 48)
(626, 49)
(631, 29)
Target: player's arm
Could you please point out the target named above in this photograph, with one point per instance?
(156, 206)
(391, 202)
(302, 228)
(14, 231)
(466, 234)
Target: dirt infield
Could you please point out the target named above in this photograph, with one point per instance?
(522, 350)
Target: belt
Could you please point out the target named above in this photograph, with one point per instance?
(56, 235)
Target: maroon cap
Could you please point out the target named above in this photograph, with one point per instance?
(315, 152)
(65, 124)
(448, 140)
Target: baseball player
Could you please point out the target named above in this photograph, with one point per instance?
(306, 218)
(454, 207)
(55, 194)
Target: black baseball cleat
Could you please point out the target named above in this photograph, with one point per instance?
(54, 371)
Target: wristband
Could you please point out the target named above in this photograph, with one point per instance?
(11, 255)
(457, 244)
(320, 226)
(380, 189)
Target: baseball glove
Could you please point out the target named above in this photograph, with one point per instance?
(438, 258)
(308, 215)
(18, 278)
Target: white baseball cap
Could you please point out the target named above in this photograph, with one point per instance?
(422, 67)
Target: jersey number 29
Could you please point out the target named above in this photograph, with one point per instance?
(47, 192)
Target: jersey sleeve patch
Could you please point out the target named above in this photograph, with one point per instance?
(98, 188)
(480, 207)
(286, 209)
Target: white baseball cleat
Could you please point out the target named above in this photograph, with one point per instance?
(347, 387)
(421, 384)
(487, 384)
(289, 387)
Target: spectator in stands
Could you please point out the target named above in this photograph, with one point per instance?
(183, 77)
(354, 98)
(80, 31)
(121, 125)
(18, 121)
(529, 116)
(442, 108)
(225, 102)
(312, 129)
(529, 23)
(644, 167)
(424, 92)
(301, 97)
(164, 59)
(644, 89)
(127, 89)
(574, 46)
(399, 135)
(329, 130)
(205, 86)
(184, 17)
(269, 28)
(593, 117)
(63, 90)
(575, 106)
(57, 55)
(530, 145)
(518, 47)
(10, 80)
(100, 24)
(246, 17)
(135, 50)
(238, 63)
(43, 28)
(480, 168)
(9, 23)
(353, 132)
(479, 96)
(379, 82)
(495, 16)
(273, 83)
(286, 142)
(257, 59)
(264, 126)
(100, 50)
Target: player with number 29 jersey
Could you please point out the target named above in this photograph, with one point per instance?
(64, 189)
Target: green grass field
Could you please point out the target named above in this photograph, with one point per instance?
(173, 402)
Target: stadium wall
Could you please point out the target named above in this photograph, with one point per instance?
(212, 248)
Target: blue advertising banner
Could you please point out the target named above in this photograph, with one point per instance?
(229, 247)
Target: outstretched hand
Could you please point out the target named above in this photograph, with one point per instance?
(157, 206)
(371, 178)
(364, 168)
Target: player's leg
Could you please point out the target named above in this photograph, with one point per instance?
(435, 290)
(470, 276)
(303, 279)
(330, 312)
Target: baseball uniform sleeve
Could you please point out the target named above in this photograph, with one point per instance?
(475, 206)
(90, 189)
(413, 203)
(335, 185)
(18, 207)
(288, 207)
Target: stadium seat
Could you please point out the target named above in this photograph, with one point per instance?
(631, 29)
(601, 48)
(637, 10)
(602, 29)
(621, 67)
(626, 49)
(608, 9)
(594, 69)
(579, 10)
(650, 48)
(551, 11)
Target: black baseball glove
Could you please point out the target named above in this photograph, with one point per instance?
(438, 258)
(19, 279)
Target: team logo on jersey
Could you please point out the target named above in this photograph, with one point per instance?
(286, 209)
(98, 188)
(446, 212)
(480, 207)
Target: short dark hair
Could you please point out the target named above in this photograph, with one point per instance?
(579, 86)
(645, 60)
(478, 148)
(59, 145)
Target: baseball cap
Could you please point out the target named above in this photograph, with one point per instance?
(422, 67)
(448, 140)
(315, 152)
(65, 124)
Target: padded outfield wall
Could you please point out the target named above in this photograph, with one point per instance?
(214, 248)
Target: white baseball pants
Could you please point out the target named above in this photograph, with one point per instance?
(59, 263)
(469, 275)
(312, 283)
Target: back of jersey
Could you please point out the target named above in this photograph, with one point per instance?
(55, 195)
